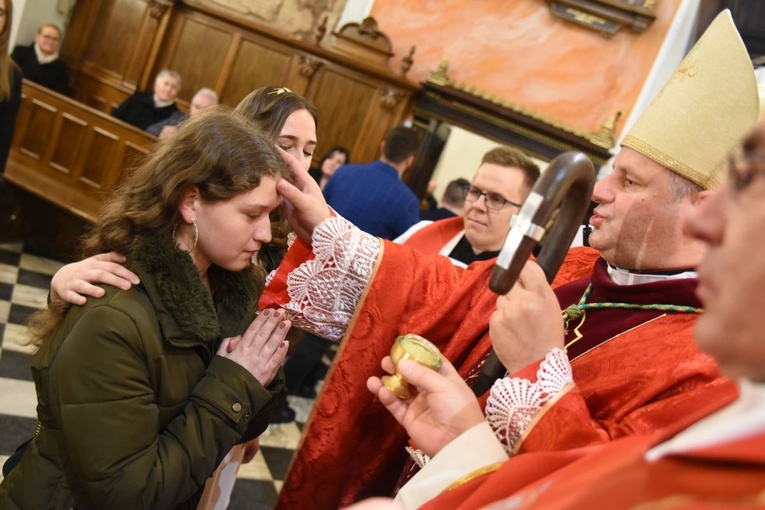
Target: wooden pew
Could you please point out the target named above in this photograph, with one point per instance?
(69, 154)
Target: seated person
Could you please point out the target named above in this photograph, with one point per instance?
(202, 100)
(333, 159)
(452, 202)
(143, 109)
(39, 61)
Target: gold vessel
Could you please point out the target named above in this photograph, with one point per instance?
(415, 348)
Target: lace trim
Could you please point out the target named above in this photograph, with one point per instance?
(269, 277)
(325, 291)
(418, 456)
(513, 402)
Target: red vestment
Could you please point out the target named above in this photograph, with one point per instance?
(433, 237)
(616, 475)
(353, 448)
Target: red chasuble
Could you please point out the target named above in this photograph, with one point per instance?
(352, 447)
(432, 238)
(616, 475)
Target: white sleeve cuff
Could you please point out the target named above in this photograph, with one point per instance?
(474, 449)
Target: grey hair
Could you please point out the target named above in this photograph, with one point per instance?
(680, 187)
(204, 91)
(172, 74)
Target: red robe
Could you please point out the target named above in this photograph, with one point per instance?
(616, 475)
(353, 448)
(432, 238)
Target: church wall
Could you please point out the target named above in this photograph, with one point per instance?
(518, 51)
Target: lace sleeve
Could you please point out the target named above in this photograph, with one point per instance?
(514, 402)
(325, 291)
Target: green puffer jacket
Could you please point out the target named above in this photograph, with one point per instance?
(136, 409)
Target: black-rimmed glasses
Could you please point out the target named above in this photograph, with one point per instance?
(494, 201)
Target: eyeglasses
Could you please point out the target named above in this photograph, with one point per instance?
(493, 201)
(743, 167)
(53, 38)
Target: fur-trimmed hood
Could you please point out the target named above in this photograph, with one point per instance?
(185, 308)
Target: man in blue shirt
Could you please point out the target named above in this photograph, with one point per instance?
(372, 196)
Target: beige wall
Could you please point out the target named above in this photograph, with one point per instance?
(462, 157)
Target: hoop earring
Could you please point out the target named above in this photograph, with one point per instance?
(196, 235)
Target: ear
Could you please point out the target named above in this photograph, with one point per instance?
(382, 148)
(409, 161)
(698, 198)
(189, 202)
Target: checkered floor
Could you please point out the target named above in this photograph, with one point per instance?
(24, 283)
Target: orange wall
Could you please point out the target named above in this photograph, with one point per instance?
(516, 50)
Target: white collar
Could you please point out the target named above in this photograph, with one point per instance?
(625, 277)
(161, 104)
(743, 418)
(42, 58)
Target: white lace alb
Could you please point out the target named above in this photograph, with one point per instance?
(325, 291)
(513, 402)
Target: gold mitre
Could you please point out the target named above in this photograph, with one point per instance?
(704, 109)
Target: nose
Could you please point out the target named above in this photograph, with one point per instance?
(262, 231)
(603, 193)
(304, 160)
(480, 204)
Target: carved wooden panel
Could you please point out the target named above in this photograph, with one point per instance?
(197, 50)
(343, 100)
(255, 65)
(69, 143)
(97, 94)
(115, 35)
(103, 156)
(34, 141)
(68, 153)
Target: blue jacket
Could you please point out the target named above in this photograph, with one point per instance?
(373, 197)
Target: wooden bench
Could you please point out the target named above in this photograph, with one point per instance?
(69, 154)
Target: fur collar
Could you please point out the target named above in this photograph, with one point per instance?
(171, 274)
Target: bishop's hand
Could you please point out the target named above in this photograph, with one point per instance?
(527, 323)
(443, 408)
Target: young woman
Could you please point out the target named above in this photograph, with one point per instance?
(334, 158)
(287, 118)
(139, 399)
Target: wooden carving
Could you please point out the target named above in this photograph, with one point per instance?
(157, 8)
(308, 66)
(606, 16)
(390, 98)
(364, 41)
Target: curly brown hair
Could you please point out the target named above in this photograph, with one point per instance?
(219, 152)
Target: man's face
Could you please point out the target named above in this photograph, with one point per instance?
(637, 224)
(200, 103)
(48, 40)
(732, 273)
(166, 88)
(486, 229)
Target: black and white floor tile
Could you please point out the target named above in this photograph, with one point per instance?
(24, 282)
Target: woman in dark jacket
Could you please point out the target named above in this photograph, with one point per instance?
(10, 86)
(139, 399)
(40, 62)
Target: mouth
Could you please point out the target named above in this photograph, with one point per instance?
(596, 219)
(476, 222)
